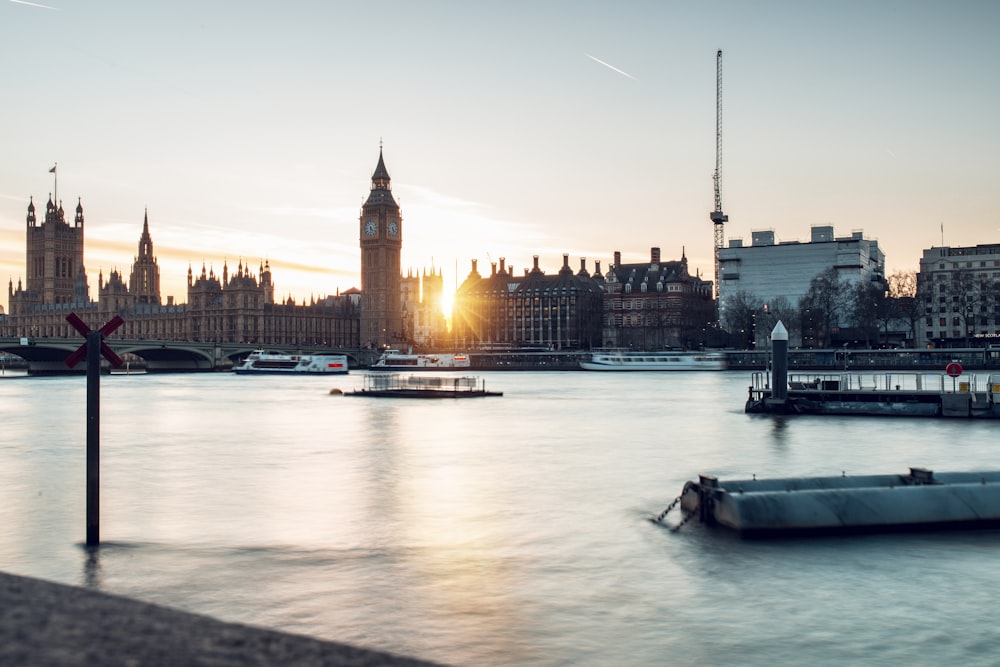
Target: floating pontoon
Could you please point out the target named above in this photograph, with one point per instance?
(920, 500)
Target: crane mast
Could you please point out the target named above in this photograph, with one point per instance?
(718, 217)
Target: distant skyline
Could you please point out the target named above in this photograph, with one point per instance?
(250, 130)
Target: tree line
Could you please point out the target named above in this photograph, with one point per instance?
(835, 311)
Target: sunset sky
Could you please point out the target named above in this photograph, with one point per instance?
(250, 130)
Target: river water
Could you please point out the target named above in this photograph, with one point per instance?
(492, 531)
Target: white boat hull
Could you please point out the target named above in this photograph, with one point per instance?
(270, 363)
(392, 361)
(653, 361)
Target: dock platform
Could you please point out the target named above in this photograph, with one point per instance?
(887, 394)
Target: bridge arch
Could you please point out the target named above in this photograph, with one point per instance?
(47, 356)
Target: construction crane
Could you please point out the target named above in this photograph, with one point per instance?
(719, 219)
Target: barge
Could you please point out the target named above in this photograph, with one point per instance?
(804, 506)
(409, 386)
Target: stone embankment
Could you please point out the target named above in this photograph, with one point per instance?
(47, 624)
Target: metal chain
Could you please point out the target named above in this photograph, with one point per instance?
(683, 521)
(664, 513)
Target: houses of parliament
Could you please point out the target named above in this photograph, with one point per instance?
(644, 305)
(237, 306)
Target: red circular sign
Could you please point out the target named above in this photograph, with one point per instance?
(954, 369)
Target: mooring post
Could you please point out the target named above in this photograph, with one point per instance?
(94, 438)
(779, 348)
(92, 350)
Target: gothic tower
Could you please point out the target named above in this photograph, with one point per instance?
(144, 283)
(55, 255)
(381, 238)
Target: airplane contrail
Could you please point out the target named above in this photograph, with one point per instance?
(612, 67)
(31, 4)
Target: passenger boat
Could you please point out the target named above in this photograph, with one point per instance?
(394, 360)
(261, 362)
(625, 360)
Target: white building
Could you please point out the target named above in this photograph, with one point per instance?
(768, 270)
(962, 291)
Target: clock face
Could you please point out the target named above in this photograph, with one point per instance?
(371, 228)
(393, 228)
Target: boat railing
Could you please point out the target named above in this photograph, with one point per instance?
(395, 382)
(884, 382)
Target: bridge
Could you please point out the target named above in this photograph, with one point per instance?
(47, 356)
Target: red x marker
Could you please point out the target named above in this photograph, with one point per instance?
(81, 326)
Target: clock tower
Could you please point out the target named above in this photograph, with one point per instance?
(381, 232)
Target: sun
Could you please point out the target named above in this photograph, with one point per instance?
(447, 299)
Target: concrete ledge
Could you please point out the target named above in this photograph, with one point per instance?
(955, 405)
(42, 624)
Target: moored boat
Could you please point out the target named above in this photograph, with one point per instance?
(920, 500)
(394, 360)
(262, 362)
(410, 386)
(625, 360)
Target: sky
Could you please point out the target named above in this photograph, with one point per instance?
(249, 130)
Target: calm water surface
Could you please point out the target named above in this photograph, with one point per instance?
(498, 531)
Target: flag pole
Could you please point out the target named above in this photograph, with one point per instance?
(55, 178)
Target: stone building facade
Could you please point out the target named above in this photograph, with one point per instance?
(960, 292)
(424, 324)
(54, 256)
(561, 311)
(232, 307)
(644, 306)
(228, 308)
(656, 305)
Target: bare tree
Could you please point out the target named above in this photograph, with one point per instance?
(739, 312)
(822, 307)
(909, 299)
(869, 309)
(902, 284)
(780, 308)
